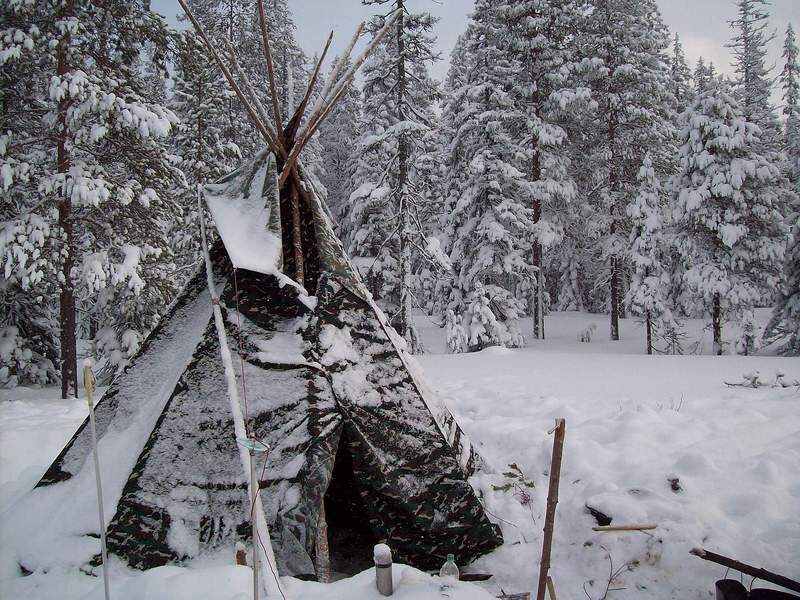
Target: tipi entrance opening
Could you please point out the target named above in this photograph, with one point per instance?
(350, 537)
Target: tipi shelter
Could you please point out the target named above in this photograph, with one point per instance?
(360, 451)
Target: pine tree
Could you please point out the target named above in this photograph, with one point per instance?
(489, 206)
(703, 76)
(680, 75)
(753, 81)
(628, 40)
(547, 95)
(790, 82)
(785, 321)
(649, 244)
(200, 99)
(728, 203)
(235, 24)
(384, 222)
(93, 159)
(339, 136)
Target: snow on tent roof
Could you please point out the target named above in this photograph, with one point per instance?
(244, 205)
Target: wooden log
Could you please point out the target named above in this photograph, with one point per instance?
(756, 572)
(560, 430)
(633, 527)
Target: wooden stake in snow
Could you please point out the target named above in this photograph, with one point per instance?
(552, 500)
(551, 590)
(88, 383)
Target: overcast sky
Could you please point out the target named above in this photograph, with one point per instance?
(702, 24)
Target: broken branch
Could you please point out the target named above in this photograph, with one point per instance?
(757, 572)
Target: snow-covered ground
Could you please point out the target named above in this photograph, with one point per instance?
(637, 427)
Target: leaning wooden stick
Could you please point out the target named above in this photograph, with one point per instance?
(316, 119)
(88, 383)
(759, 573)
(273, 88)
(552, 500)
(632, 527)
(551, 590)
(263, 128)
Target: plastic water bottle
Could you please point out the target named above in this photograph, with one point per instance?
(449, 572)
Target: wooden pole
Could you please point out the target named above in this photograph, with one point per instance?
(88, 383)
(551, 590)
(316, 119)
(757, 572)
(322, 562)
(552, 500)
(297, 236)
(273, 88)
(254, 528)
(263, 128)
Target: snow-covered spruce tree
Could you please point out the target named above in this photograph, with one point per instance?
(753, 84)
(201, 99)
(703, 75)
(383, 225)
(87, 174)
(28, 288)
(234, 22)
(628, 42)
(731, 233)
(785, 322)
(547, 95)
(680, 75)
(790, 82)
(489, 210)
(648, 294)
(339, 135)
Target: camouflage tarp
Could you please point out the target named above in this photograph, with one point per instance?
(329, 389)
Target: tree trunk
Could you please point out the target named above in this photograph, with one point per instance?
(538, 291)
(716, 324)
(649, 325)
(69, 353)
(615, 298)
(613, 185)
(232, 106)
(406, 324)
